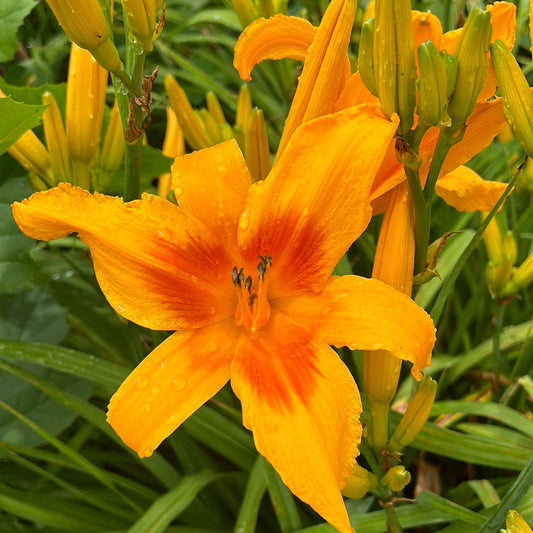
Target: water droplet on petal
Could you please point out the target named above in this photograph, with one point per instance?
(305, 211)
(147, 407)
(222, 168)
(142, 382)
(202, 190)
(148, 452)
(156, 389)
(194, 279)
(179, 383)
(244, 220)
(352, 346)
(120, 308)
(325, 311)
(177, 191)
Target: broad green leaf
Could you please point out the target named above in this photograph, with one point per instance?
(15, 119)
(33, 95)
(12, 14)
(16, 268)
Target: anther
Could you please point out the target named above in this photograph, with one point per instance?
(248, 284)
(234, 275)
(240, 276)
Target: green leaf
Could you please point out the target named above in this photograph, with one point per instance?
(253, 495)
(16, 269)
(16, 119)
(34, 95)
(12, 14)
(166, 508)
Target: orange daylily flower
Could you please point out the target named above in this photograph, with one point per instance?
(464, 190)
(243, 273)
(326, 65)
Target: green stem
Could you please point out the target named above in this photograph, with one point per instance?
(132, 163)
(379, 425)
(497, 357)
(422, 211)
(439, 155)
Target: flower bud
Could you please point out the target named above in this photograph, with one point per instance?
(432, 88)
(359, 483)
(141, 19)
(56, 140)
(245, 10)
(257, 152)
(472, 65)
(242, 114)
(415, 416)
(394, 60)
(215, 109)
(520, 278)
(366, 56)
(84, 23)
(112, 151)
(31, 153)
(396, 478)
(192, 126)
(86, 93)
(516, 95)
(515, 523)
(173, 146)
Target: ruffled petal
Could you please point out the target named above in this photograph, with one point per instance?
(302, 405)
(156, 265)
(465, 190)
(314, 203)
(325, 70)
(274, 38)
(212, 185)
(366, 314)
(179, 376)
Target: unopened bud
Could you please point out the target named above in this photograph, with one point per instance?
(394, 60)
(246, 11)
(257, 152)
(141, 19)
(215, 109)
(192, 126)
(56, 140)
(360, 482)
(432, 88)
(450, 67)
(84, 23)
(472, 69)
(396, 478)
(366, 56)
(520, 278)
(112, 151)
(31, 153)
(515, 523)
(516, 95)
(415, 416)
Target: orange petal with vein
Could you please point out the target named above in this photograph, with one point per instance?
(156, 265)
(366, 314)
(274, 38)
(179, 376)
(302, 405)
(465, 190)
(212, 185)
(314, 203)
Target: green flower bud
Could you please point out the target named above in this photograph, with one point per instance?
(472, 69)
(415, 416)
(360, 482)
(366, 57)
(394, 60)
(432, 85)
(450, 67)
(396, 478)
(516, 95)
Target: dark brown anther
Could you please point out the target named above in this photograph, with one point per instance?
(252, 299)
(234, 275)
(264, 263)
(248, 283)
(240, 276)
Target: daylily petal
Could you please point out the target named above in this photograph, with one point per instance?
(426, 27)
(303, 407)
(353, 93)
(274, 38)
(484, 123)
(156, 265)
(179, 376)
(325, 70)
(212, 185)
(465, 190)
(366, 314)
(306, 229)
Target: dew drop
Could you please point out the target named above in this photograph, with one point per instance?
(156, 389)
(120, 308)
(244, 220)
(305, 211)
(202, 190)
(325, 311)
(142, 382)
(179, 383)
(177, 191)
(222, 168)
(352, 346)
(148, 452)
(194, 279)
(147, 407)
(212, 310)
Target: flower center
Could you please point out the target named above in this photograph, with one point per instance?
(253, 309)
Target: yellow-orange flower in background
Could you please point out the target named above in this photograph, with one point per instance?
(243, 273)
(460, 187)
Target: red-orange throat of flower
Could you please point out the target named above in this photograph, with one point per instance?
(253, 308)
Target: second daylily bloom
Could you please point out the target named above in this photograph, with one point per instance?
(243, 273)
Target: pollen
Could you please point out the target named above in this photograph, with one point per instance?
(253, 308)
